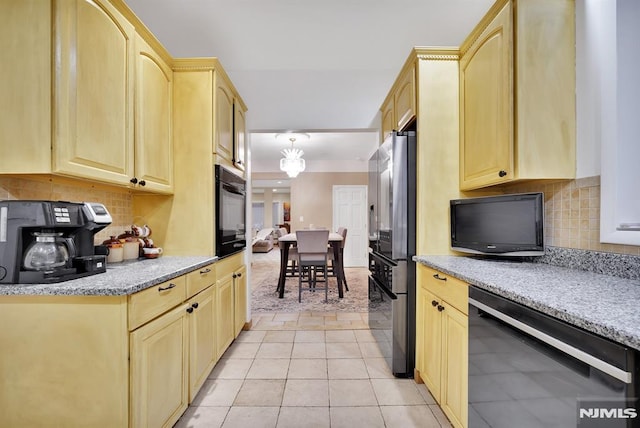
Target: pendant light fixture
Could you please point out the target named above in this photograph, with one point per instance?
(292, 162)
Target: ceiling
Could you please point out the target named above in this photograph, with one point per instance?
(320, 67)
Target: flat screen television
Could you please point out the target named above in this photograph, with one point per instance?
(505, 225)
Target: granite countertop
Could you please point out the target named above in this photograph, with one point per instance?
(120, 278)
(602, 304)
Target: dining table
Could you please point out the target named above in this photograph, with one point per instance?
(285, 242)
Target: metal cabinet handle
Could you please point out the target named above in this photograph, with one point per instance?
(239, 275)
(203, 271)
(134, 180)
(195, 305)
(189, 310)
(169, 287)
(234, 276)
(502, 173)
(440, 308)
(143, 183)
(434, 303)
(437, 276)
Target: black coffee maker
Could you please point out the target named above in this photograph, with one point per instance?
(50, 241)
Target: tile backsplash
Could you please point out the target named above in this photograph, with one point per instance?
(572, 214)
(572, 207)
(117, 201)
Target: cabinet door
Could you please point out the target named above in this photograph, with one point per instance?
(153, 119)
(202, 344)
(93, 91)
(239, 130)
(486, 106)
(405, 99)
(223, 119)
(224, 313)
(159, 370)
(431, 343)
(25, 85)
(240, 299)
(388, 119)
(454, 365)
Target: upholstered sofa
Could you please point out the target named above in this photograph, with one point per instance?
(263, 241)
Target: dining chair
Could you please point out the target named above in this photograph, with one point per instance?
(312, 260)
(293, 254)
(332, 267)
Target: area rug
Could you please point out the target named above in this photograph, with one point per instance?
(264, 298)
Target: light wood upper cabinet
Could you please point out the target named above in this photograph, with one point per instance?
(93, 91)
(399, 108)
(223, 119)
(85, 96)
(388, 118)
(25, 85)
(486, 80)
(404, 99)
(153, 120)
(517, 94)
(239, 130)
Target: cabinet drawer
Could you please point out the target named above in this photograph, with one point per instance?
(445, 287)
(200, 279)
(148, 304)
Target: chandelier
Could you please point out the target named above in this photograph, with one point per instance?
(292, 162)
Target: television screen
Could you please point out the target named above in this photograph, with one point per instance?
(501, 225)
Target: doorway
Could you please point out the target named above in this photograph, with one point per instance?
(350, 211)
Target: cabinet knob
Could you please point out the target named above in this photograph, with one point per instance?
(440, 308)
(239, 275)
(502, 173)
(143, 183)
(189, 309)
(134, 180)
(438, 277)
(434, 303)
(203, 271)
(195, 305)
(234, 276)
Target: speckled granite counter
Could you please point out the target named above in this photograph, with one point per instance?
(119, 279)
(603, 304)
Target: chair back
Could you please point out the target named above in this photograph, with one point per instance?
(343, 232)
(312, 244)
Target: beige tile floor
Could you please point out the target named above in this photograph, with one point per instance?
(304, 370)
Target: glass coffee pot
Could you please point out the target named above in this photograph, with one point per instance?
(48, 251)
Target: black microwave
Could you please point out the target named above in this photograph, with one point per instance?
(230, 212)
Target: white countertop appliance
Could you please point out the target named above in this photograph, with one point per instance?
(49, 241)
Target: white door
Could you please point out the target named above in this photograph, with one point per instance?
(350, 211)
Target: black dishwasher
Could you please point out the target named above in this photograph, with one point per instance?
(528, 369)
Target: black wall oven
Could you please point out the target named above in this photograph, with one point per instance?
(230, 212)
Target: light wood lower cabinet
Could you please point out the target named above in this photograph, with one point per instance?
(239, 299)
(111, 361)
(442, 341)
(224, 313)
(231, 299)
(202, 339)
(159, 369)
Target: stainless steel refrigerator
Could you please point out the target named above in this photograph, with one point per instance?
(392, 241)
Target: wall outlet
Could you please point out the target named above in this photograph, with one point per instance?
(301, 218)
